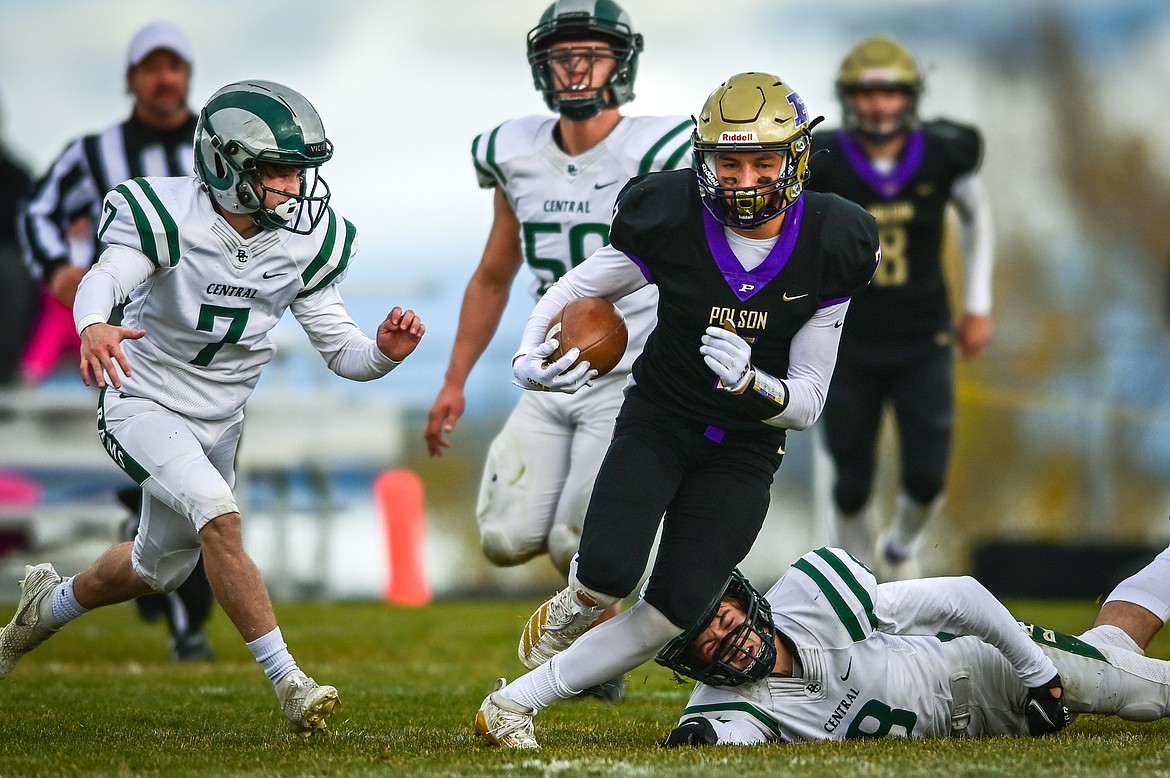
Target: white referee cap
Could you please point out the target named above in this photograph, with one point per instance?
(155, 36)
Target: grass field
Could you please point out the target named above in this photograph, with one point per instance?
(103, 699)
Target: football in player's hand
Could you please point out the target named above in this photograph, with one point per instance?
(593, 325)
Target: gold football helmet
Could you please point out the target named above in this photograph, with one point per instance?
(879, 63)
(753, 112)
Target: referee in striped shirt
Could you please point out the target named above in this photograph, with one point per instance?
(157, 140)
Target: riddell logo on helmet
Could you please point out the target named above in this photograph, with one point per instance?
(737, 137)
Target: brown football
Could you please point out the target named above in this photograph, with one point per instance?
(595, 326)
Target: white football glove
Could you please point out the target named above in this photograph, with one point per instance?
(533, 372)
(729, 357)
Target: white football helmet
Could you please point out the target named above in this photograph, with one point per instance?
(250, 123)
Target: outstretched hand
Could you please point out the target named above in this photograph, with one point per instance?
(400, 333)
(101, 350)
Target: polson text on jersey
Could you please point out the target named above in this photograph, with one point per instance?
(742, 318)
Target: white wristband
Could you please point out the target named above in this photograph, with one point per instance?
(88, 319)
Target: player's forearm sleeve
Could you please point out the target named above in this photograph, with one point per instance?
(960, 606)
(108, 283)
(811, 360)
(977, 240)
(347, 351)
(606, 273)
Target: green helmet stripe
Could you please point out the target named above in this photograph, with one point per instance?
(142, 223)
(844, 612)
(273, 112)
(170, 228)
(741, 707)
(342, 262)
(647, 163)
(491, 158)
(325, 252)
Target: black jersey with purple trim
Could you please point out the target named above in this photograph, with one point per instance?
(824, 255)
(908, 295)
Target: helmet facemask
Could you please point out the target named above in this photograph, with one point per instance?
(751, 206)
(853, 120)
(563, 75)
(308, 207)
(746, 653)
(567, 22)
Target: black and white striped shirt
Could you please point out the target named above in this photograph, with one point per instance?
(78, 181)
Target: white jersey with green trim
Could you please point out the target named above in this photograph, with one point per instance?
(872, 660)
(564, 203)
(930, 658)
(214, 297)
(852, 681)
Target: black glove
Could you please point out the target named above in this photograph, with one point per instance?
(692, 732)
(1046, 714)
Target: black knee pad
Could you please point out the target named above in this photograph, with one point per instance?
(685, 599)
(850, 494)
(608, 573)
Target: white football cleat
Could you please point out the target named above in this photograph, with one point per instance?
(552, 628)
(503, 722)
(24, 632)
(305, 703)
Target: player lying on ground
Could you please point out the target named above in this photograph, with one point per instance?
(829, 654)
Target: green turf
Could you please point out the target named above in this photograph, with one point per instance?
(102, 698)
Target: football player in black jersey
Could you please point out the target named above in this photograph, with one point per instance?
(754, 276)
(898, 345)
